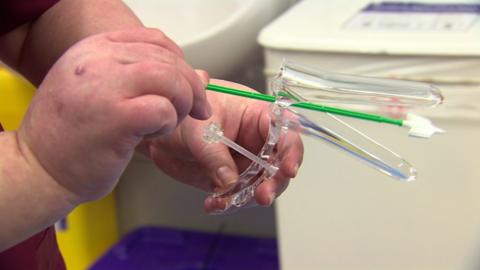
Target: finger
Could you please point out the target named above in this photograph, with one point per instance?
(218, 163)
(145, 35)
(130, 53)
(205, 79)
(215, 205)
(269, 189)
(204, 76)
(146, 54)
(290, 152)
(166, 80)
(222, 206)
(179, 168)
(133, 53)
(201, 109)
(149, 115)
(255, 126)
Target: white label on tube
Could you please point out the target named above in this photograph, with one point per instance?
(409, 16)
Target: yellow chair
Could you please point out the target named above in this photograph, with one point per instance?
(90, 229)
(15, 95)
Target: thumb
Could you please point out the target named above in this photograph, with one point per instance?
(219, 164)
(204, 77)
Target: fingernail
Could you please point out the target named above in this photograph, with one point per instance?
(271, 198)
(217, 212)
(203, 77)
(295, 170)
(226, 175)
(209, 200)
(208, 110)
(204, 81)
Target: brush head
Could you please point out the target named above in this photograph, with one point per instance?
(212, 133)
(421, 127)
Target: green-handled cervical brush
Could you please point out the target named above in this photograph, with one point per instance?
(420, 127)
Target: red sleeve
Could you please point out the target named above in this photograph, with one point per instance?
(39, 252)
(14, 13)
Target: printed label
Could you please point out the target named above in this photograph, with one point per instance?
(412, 16)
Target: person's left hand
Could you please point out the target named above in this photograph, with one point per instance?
(186, 157)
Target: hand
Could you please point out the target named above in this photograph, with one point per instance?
(100, 99)
(187, 158)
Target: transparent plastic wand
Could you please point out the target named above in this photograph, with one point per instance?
(213, 133)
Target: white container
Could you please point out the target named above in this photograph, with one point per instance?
(215, 35)
(339, 214)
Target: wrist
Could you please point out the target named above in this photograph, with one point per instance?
(30, 199)
(44, 179)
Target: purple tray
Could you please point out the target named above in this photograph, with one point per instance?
(158, 248)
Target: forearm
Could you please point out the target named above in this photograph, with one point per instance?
(67, 22)
(30, 200)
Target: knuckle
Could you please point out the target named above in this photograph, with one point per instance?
(183, 98)
(155, 32)
(151, 69)
(164, 107)
(158, 36)
(162, 39)
(168, 56)
(169, 116)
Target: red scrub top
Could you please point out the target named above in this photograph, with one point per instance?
(39, 252)
(14, 13)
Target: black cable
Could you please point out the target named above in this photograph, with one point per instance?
(214, 247)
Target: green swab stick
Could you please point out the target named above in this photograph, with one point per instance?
(308, 105)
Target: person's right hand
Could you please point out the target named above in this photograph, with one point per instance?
(100, 99)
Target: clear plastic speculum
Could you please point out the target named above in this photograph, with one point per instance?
(298, 84)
